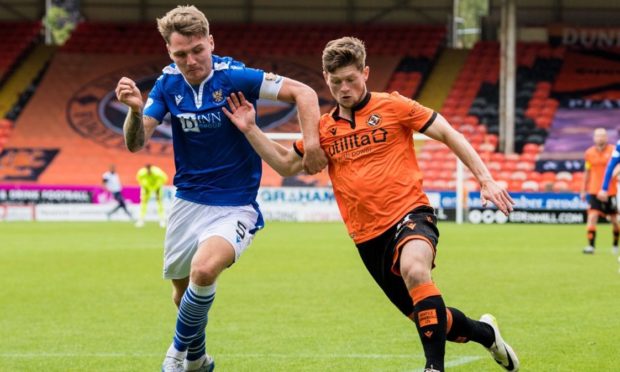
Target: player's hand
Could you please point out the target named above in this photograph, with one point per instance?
(582, 195)
(491, 191)
(602, 196)
(314, 159)
(242, 112)
(128, 93)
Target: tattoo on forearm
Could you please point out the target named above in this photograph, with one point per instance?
(134, 130)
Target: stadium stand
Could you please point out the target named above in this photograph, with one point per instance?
(472, 107)
(6, 127)
(587, 89)
(404, 63)
(84, 72)
(257, 40)
(17, 38)
(21, 83)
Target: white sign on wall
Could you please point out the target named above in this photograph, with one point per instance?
(298, 204)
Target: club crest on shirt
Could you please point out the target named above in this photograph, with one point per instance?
(218, 96)
(374, 120)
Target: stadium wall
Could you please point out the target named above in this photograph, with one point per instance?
(299, 204)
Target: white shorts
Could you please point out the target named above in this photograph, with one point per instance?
(190, 224)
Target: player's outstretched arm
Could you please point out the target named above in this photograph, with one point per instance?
(442, 131)
(136, 129)
(309, 114)
(284, 161)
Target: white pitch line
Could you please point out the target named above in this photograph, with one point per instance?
(320, 356)
(462, 361)
(74, 355)
(458, 362)
(236, 355)
(453, 363)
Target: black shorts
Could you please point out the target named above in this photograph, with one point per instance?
(604, 208)
(381, 255)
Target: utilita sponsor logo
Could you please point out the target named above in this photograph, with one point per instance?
(357, 140)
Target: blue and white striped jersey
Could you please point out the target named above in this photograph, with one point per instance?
(215, 164)
(613, 162)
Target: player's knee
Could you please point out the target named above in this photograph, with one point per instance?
(204, 273)
(415, 269)
(416, 264)
(416, 274)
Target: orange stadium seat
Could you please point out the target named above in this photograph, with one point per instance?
(519, 176)
(530, 185)
(561, 186)
(515, 185)
(534, 176)
(531, 148)
(547, 176)
(471, 185)
(525, 165)
(564, 176)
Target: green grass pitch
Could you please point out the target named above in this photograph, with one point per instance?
(89, 297)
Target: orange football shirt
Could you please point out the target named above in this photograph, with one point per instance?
(596, 163)
(372, 162)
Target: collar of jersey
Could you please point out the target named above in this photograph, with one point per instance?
(359, 106)
(198, 95)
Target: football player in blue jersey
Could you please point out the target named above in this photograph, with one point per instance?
(611, 173)
(214, 216)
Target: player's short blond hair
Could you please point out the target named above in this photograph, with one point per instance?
(186, 20)
(344, 52)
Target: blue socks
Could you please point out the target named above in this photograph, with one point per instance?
(192, 320)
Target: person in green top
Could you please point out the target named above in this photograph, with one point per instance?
(151, 180)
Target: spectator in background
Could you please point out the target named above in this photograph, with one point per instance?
(151, 180)
(112, 183)
(596, 159)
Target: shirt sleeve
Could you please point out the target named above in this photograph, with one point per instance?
(298, 146)
(613, 162)
(412, 114)
(155, 105)
(247, 80)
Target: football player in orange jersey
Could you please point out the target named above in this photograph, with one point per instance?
(596, 158)
(368, 138)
